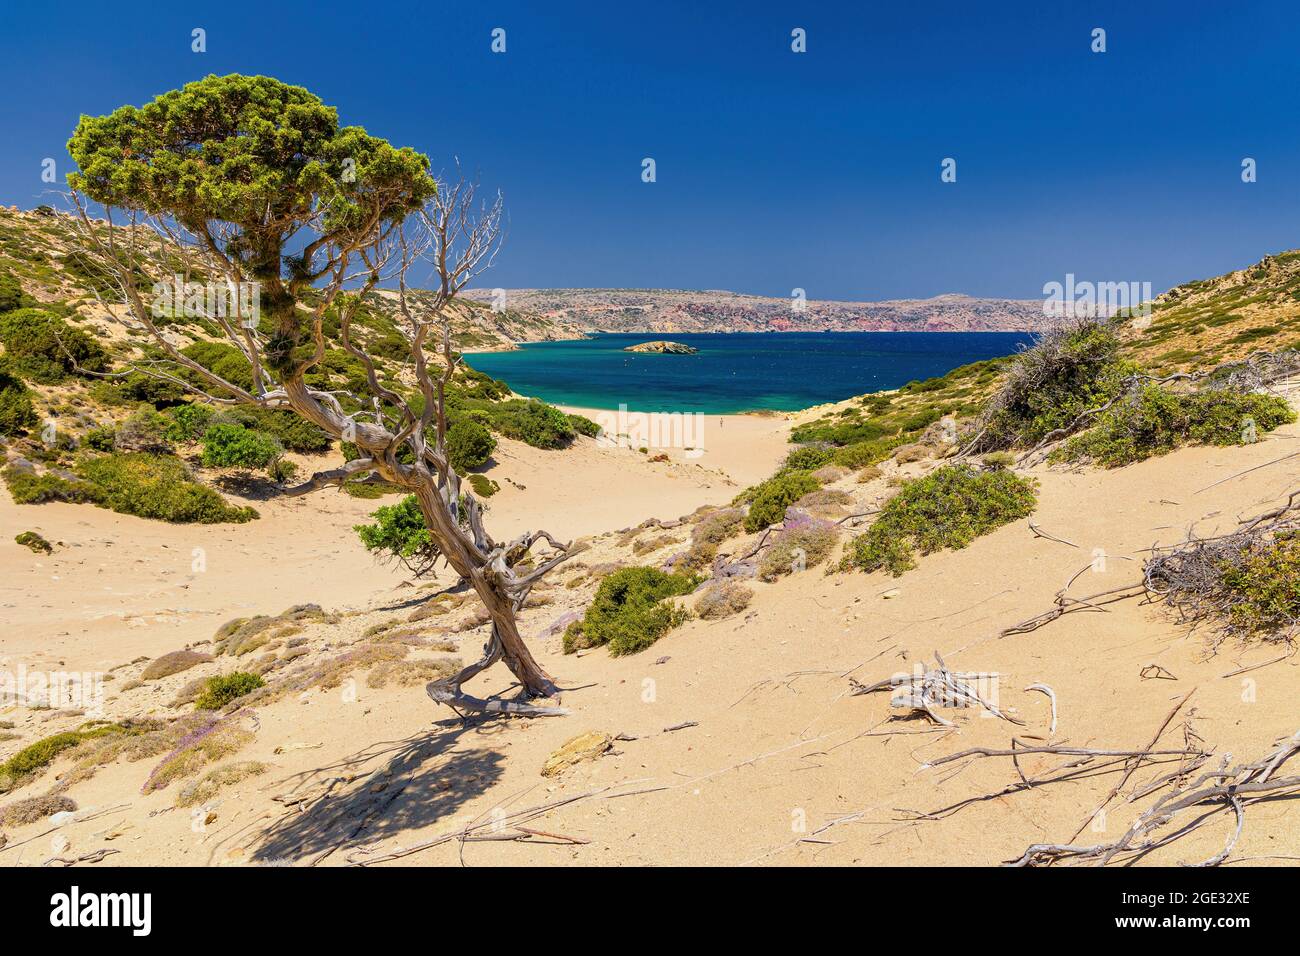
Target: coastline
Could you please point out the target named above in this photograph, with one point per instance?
(736, 373)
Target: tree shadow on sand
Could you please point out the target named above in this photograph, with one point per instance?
(399, 787)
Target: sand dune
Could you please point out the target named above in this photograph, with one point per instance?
(782, 766)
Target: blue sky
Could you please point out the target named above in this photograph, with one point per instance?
(775, 170)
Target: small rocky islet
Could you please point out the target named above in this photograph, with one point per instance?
(663, 347)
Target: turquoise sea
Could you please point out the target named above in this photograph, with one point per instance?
(736, 372)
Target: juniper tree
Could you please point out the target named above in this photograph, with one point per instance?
(250, 182)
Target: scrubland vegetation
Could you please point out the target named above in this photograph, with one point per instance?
(129, 430)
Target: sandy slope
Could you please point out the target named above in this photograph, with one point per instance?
(126, 586)
(784, 767)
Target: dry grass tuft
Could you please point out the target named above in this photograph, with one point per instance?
(207, 786)
(22, 812)
(723, 599)
(173, 663)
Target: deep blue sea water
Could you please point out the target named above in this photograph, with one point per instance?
(736, 371)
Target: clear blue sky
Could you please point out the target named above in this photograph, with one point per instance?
(775, 169)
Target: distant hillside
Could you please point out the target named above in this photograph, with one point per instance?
(1202, 323)
(671, 310)
(35, 247)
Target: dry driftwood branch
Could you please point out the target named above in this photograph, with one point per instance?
(1229, 788)
(933, 687)
(1051, 695)
(1133, 766)
(1040, 533)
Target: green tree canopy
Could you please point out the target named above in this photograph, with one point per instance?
(248, 150)
(259, 171)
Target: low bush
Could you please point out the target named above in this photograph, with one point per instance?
(281, 471)
(188, 423)
(584, 426)
(528, 420)
(469, 445)
(768, 501)
(286, 427)
(1154, 421)
(222, 690)
(151, 486)
(803, 543)
(399, 533)
(222, 359)
(949, 508)
(723, 599)
(1068, 371)
(483, 486)
(173, 663)
(100, 439)
(824, 503)
(37, 756)
(717, 526)
(234, 446)
(1263, 587)
(29, 488)
(808, 458)
(22, 812)
(211, 783)
(17, 414)
(629, 611)
(34, 542)
(45, 349)
(197, 740)
(142, 431)
(11, 293)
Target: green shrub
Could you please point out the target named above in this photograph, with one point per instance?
(532, 422)
(483, 486)
(808, 458)
(770, 499)
(17, 415)
(45, 349)
(583, 426)
(142, 431)
(155, 486)
(28, 488)
(629, 611)
(11, 293)
(469, 445)
(1068, 371)
(862, 454)
(399, 533)
(38, 755)
(1263, 585)
(357, 488)
(949, 508)
(34, 542)
(287, 427)
(189, 422)
(220, 691)
(100, 439)
(1155, 421)
(222, 359)
(234, 446)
